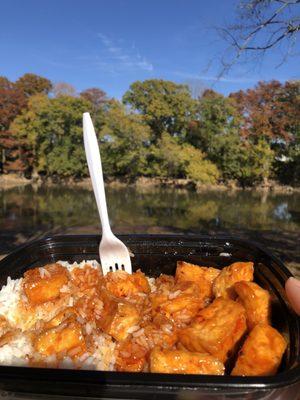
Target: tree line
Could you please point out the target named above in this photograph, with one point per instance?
(157, 130)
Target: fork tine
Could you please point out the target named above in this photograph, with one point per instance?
(114, 257)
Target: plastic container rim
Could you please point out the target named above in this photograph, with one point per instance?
(171, 381)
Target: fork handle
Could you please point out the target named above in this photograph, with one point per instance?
(95, 168)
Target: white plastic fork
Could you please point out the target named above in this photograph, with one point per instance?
(113, 253)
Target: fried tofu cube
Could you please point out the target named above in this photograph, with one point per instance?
(256, 302)
(126, 317)
(118, 317)
(202, 276)
(184, 362)
(44, 284)
(131, 357)
(64, 337)
(122, 284)
(261, 353)
(141, 282)
(216, 330)
(238, 271)
(180, 305)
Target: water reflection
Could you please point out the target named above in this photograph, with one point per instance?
(282, 212)
(29, 211)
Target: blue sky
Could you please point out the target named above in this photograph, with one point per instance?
(109, 44)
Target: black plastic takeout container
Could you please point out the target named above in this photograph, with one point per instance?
(157, 254)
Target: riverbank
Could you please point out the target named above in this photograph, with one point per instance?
(13, 180)
(271, 219)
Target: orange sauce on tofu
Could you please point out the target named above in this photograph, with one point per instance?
(41, 285)
(60, 339)
(187, 324)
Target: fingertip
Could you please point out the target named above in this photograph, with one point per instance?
(292, 287)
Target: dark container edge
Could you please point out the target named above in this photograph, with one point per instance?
(280, 380)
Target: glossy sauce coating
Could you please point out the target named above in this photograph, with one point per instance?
(236, 272)
(261, 353)
(192, 322)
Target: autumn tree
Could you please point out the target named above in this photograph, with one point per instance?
(166, 106)
(158, 130)
(63, 89)
(269, 110)
(95, 96)
(31, 84)
(99, 104)
(12, 101)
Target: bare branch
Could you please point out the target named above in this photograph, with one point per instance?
(262, 25)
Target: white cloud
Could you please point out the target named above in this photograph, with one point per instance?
(212, 78)
(124, 58)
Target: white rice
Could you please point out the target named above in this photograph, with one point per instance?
(42, 272)
(16, 352)
(91, 263)
(174, 294)
(88, 328)
(138, 332)
(10, 295)
(66, 363)
(20, 348)
(133, 329)
(104, 356)
(152, 285)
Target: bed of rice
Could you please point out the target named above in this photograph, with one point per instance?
(20, 349)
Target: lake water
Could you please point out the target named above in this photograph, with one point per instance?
(273, 219)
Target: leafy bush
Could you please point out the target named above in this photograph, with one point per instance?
(169, 158)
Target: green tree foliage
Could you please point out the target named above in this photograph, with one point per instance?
(172, 159)
(166, 106)
(124, 137)
(287, 164)
(218, 134)
(31, 84)
(253, 162)
(242, 160)
(52, 130)
(271, 111)
(218, 117)
(159, 131)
